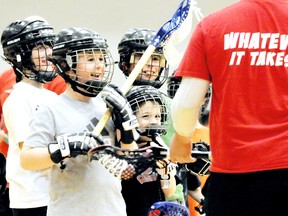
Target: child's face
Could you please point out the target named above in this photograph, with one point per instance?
(39, 58)
(149, 114)
(151, 69)
(90, 65)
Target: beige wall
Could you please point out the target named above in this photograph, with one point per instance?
(110, 18)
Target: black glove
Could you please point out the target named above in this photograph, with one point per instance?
(200, 208)
(122, 113)
(200, 151)
(71, 145)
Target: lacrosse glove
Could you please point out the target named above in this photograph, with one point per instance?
(72, 145)
(201, 151)
(166, 170)
(122, 114)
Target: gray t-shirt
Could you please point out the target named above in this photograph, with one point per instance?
(83, 187)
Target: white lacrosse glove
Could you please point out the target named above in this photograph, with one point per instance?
(166, 169)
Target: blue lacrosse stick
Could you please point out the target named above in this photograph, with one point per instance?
(168, 209)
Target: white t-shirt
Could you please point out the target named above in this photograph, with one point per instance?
(27, 189)
(83, 188)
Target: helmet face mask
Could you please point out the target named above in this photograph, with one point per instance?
(152, 73)
(84, 60)
(44, 70)
(132, 46)
(91, 70)
(173, 84)
(26, 45)
(149, 107)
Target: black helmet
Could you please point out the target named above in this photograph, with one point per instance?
(173, 85)
(18, 40)
(137, 40)
(72, 41)
(139, 95)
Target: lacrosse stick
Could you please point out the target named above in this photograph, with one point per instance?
(163, 35)
(171, 54)
(117, 160)
(168, 209)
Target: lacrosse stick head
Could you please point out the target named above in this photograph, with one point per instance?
(186, 9)
(168, 209)
(25, 44)
(131, 47)
(172, 25)
(140, 159)
(150, 108)
(85, 56)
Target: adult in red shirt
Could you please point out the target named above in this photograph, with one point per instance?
(242, 50)
(7, 80)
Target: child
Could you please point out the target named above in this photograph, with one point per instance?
(153, 184)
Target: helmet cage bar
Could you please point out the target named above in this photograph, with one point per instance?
(151, 77)
(156, 59)
(36, 68)
(160, 127)
(97, 67)
(172, 89)
(173, 84)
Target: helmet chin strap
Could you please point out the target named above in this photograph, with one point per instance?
(45, 76)
(150, 131)
(39, 76)
(91, 88)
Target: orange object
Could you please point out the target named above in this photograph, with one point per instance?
(7, 80)
(58, 85)
(200, 134)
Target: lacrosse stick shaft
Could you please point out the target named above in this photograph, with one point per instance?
(125, 88)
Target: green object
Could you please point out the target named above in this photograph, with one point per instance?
(178, 195)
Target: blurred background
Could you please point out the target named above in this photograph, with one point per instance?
(110, 18)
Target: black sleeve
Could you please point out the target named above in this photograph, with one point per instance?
(193, 181)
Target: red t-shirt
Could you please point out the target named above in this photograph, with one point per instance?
(7, 80)
(242, 50)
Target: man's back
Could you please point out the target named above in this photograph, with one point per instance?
(242, 49)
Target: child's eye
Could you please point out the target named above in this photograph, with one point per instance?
(145, 116)
(156, 58)
(91, 59)
(101, 59)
